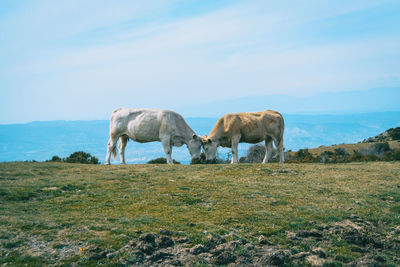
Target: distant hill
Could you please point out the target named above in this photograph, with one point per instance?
(42, 140)
(384, 146)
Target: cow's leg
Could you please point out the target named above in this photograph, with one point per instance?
(235, 143)
(111, 148)
(279, 148)
(268, 149)
(123, 141)
(167, 149)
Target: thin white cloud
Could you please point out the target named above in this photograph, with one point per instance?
(140, 52)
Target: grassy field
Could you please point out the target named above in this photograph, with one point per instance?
(54, 213)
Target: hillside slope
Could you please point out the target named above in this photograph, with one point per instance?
(389, 140)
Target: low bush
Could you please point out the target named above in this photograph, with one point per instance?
(76, 157)
(376, 149)
(394, 133)
(203, 160)
(161, 161)
(391, 155)
(304, 156)
(82, 157)
(55, 159)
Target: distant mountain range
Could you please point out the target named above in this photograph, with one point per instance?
(41, 140)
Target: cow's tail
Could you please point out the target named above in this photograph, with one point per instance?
(114, 151)
(280, 142)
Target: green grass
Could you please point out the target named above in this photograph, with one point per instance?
(48, 208)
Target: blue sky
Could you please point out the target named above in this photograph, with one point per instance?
(77, 60)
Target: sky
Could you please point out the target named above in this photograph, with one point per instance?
(78, 60)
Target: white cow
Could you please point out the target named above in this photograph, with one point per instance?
(251, 127)
(149, 125)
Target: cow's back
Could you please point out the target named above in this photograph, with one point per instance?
(141, 125)
(253, 127)
(147, 125)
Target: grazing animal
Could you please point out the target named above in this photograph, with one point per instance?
(251, 127)
(149, 125)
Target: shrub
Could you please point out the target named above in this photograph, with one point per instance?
(340, 151)
(303, 155)
(377, 149)
(391, 155)
(255, 154)
(203, 160)
(328, 153)
(394, 133)
(81, 157)
(396, 154)
(55, 159)
(356, 156)
(161, 161)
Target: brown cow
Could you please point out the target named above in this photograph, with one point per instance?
(251, 127)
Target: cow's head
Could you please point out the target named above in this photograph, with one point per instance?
(194, 146)
(210, 147)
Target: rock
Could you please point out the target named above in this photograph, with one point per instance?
(160, 255)
(214, 240)
(172, 262)
(310, 233)
(314, 260)
(123, 236)
(262, 240)
(132, 243)
(182, 240)
(249, 246)
(291, 235)
(369, 260)
(355, 218)
(110, 255)
(224, 258)
(320, 252)
(300, 255)
(147, 248)
(196, 250)
(166, 232)
(356, 248)
(279, 257)
(232, 245)
(165, 241)
(356, 234)
(98, 256)
(148, 237)
(91, 248)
